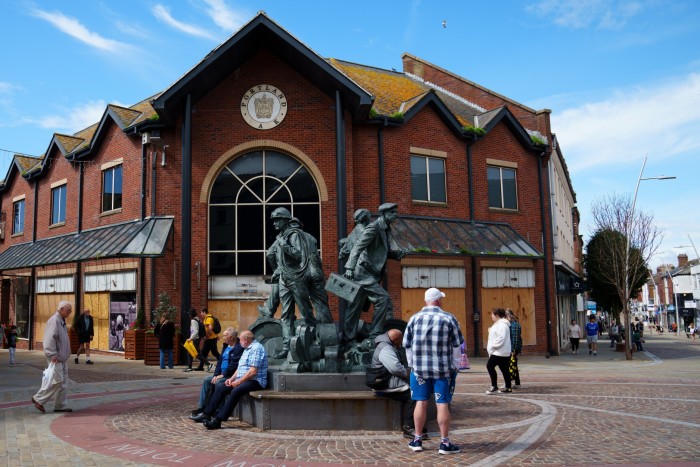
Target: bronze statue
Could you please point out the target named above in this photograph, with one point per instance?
(298, 271)
(365, 265)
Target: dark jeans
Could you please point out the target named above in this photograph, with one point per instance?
(574, 343)
(613, 340)
(236, 394)
(407, 405)
(502, 363)
(209, 346)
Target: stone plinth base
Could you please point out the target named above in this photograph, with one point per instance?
(320, 401)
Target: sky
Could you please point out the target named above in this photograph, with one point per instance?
(621, 77)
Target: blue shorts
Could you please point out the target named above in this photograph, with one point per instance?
(443, 388)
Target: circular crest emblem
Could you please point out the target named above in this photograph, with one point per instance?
(263, 107)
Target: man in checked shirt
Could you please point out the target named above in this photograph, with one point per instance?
(433, 348)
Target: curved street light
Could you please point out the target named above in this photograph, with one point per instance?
(628, 229)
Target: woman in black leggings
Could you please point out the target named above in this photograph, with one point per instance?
(499, 349)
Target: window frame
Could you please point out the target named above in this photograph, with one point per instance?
(112, 169)
(15, 223)
(61, 188)
(427, 160)
(501, 168)
(246, 185)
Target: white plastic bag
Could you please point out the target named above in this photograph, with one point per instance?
(48, 377)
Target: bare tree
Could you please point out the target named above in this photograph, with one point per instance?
(615, 213)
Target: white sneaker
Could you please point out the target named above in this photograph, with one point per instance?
(492, 390)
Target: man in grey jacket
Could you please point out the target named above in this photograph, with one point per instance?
(387, 353)
(57, 351)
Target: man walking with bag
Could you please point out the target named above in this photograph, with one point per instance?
(57, 351)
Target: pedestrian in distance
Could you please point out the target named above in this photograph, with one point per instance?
(499, 349)
(575, 334)
(433, 349)
(614, 334)
(592, 335)
(85, 328)
(165, 331)
(57, 351)
(196, 333)
(210, 341)
(516, 347)
(11, 343)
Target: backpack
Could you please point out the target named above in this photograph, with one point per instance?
(216, 327)
(201, 331)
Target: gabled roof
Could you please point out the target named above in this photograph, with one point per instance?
(260, 32)
(21, 164)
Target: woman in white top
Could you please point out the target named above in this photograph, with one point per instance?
(498, 348)
(574, 336)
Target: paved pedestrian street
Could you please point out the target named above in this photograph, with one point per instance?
(571, 410)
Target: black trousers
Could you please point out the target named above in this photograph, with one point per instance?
(232, 400)
(209, 346)
(408, 405)
(502, 364)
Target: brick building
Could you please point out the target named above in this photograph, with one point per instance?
(174, 193)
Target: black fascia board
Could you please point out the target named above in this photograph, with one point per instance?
(434, 101)
(504, 115)
(260, 32)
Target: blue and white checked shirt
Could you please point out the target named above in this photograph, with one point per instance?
(431, 335)
(254, 355)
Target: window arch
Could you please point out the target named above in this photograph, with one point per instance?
(241, 200)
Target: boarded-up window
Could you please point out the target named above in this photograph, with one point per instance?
(498, 278)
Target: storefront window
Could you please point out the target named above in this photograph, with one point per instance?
(22, 315)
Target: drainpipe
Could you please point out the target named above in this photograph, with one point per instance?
(341, 186)
(475, 282)
(153, 213)
(186, 209)
(547, 259)
(34, 214)
(81, 182)
(142, 261)
(32, 307)
(380, 149)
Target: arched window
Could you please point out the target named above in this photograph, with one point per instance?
(241, 201)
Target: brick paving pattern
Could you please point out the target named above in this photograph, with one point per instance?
(572, 410)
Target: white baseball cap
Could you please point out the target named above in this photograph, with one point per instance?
(433, 294)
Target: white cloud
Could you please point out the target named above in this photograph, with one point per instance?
(656, 119)
(6, 87)
(226, 18)
(579, 14)
(162, 13)
(72, 120)
(75, 29)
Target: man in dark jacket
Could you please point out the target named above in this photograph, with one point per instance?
(387, 353)
(226, 366)
(84, 326)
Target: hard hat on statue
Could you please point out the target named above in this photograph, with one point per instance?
(281, 213)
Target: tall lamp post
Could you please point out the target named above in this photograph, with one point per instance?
(628, 228)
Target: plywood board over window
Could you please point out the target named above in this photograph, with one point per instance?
(46, 306)
(98, 303)
(509, 288)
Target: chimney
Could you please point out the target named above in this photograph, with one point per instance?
(682, 260)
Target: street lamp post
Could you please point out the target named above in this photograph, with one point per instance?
(628, 233)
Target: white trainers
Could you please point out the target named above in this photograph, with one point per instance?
(492, 390)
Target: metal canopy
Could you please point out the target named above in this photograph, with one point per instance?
(458, 237)
(146, 238)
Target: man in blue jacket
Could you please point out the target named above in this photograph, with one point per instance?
(225, 368)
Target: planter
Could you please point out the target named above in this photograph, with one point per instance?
(152, 352)
(134, 344)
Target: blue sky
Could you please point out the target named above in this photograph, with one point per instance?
(622, 78)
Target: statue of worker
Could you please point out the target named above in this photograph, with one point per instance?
(293, 264)
(365, 265)
(361, 217)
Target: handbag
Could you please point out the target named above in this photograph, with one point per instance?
(47, 379)
(377, 378)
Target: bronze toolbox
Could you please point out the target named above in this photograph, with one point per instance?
(343, 287)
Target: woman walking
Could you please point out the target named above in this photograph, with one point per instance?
(499, 348)
(574, 336)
